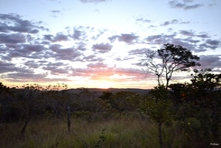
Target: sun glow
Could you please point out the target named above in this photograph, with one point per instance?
(104, 84)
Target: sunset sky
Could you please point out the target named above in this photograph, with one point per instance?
(97, 43)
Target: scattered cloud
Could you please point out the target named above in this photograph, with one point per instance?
(127, 38)
(137, 51)
(211, 44)
(28, 76)
(14, 38)
(77, 34)
(174, 21)
(193, 6)
(160, 39)
(60, 37)
(56, 11)
(210, 61)
(70, 54)
(191, 33)
(91, 58)
(7, 67)
(186, 5)
(57, 68)
(14, 23)
(187, 33)
(143, 20)
(61, 54)
(102, 48)
(93, 1)
(98, 65)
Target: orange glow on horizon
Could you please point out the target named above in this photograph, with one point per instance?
(103, 84)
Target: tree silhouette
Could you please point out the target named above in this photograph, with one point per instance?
(168, 60)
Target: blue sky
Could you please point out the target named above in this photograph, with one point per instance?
(97, 43)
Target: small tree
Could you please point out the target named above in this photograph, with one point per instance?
(168, 60)
(157, 106)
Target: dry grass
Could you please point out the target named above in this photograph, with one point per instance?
(116, 133)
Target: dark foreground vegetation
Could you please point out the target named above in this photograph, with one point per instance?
(186, 115)
(169, 116)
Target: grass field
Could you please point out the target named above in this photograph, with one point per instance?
(112, 133)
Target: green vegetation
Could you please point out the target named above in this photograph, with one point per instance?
(175, 116)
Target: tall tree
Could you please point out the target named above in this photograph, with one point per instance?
(164, 62)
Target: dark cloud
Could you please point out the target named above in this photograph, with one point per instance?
(198, 42)
(203, 35)
(77, 34)
(11, 72)
(190, 40)
(12, 38)
(32, 48)
(191, 33)
(153, 37)
(127, 38)
(210, 44)
(55, 47)
(57, 68)
(86, 33)
(102, 48)
(186, 43)
(210, 61)
(7, 67)
(186, 5)
(59, 37)
(160, 39)
(32, 64)
(213, 42)
(22, 77)
(24, 50)
(20, 38)
(137, 51)
(14, 23)
(59, 53)
(187, 33)
(82, 33)
(49, 37)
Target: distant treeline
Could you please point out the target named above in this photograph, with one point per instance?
(195, 107)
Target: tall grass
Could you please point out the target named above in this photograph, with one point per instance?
(112, 133)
